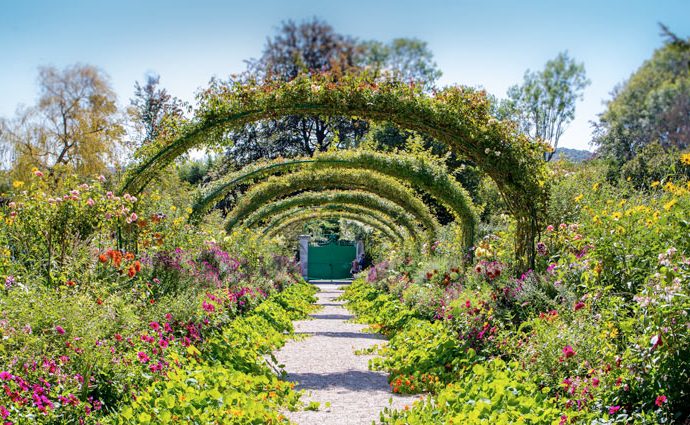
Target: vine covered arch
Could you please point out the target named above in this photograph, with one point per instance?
(355, 201)
(278, 187)
(459, 117)
(417, 171)
(367, 218)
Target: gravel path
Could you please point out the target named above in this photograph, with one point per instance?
(326, 367)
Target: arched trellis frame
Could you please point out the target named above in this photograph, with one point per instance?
(460, 117)
(305, 216)
(353, 201)
(278, 187)
(417, 171)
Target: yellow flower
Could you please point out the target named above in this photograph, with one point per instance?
(595, 186)
(17, 184)
(656, 183)
(616, 215)
(579, 197)
(670, 204)
(622, 202)
(685, 158)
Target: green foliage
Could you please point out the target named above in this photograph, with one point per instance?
(651, 106)
(333, 211)
(494, 392)
(458, 117)
(416, 170)
(353, 201)
(277, 187)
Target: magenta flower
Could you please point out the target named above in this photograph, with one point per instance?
(595, 382)
(59, 329)
(155, 326)
(660, 400)
(656, 342)
(6, 376)
(568, 351)
(4, 412)
(143, 357)
(614, 409)
(163, 343)
(579, 305)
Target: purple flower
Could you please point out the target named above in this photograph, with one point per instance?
(9, 282)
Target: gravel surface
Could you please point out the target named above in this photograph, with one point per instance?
(326, 367)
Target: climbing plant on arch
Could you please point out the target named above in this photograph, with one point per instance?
(361, 216)
(415, 170)
(308, 215)
(355, 201)
(457, 116)
(278, 187)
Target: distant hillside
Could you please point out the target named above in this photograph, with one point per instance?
(574, 155)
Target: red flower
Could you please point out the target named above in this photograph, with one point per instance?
(660, 400)
(656, 342)
(579, 305)
(132, 271)
(568, 351)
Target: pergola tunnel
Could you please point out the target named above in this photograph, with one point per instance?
(389, 185)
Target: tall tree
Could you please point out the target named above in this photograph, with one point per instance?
(150, 107)
(75, 125)
(313, 47)
(310, 47)
(544, 104)
(652, 106)
(406, 59)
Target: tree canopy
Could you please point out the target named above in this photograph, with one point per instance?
(653, 105)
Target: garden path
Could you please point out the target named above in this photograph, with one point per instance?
(326, 367)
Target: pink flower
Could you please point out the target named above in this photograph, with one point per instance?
(91, 202)
(549, 228)
(5, 376)
(564, 420)
(154, 325)
(614, 409)
(59, 329)
(660, 400)
(143, 357)
(595, 382)
(38, 173)
(101, 178)
(4, 412)
(208, 307)
(568, 351)
(562, 226)
(132, 218)
(163, 343)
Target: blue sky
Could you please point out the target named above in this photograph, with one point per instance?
(478, 43)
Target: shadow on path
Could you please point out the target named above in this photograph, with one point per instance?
(344, 335)
(332, 316)
(351, 380)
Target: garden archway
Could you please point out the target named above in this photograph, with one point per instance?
(456, 116)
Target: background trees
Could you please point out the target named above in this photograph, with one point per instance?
(652, 106)
(75, 125)
(544, 104)
(313, 47)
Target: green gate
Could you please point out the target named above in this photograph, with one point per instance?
(332, 260)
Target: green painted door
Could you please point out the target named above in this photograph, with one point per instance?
(331, 261)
